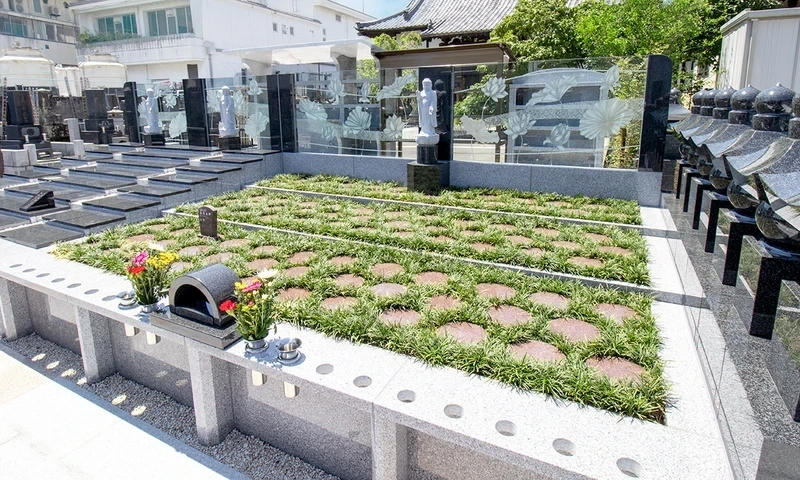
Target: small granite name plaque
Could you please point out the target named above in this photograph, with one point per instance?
(208, 221)
(42, 200)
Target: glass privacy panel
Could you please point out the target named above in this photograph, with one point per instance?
(250, 105)
(171, 109)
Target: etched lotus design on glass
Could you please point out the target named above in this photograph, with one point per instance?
(611, 79)
(559, 136)
(518, 124)
(364, 93)
(212, 101)
(605, 118)
(395, 89)
(253, 88)
(256, 124)
(313, 110)
(328, 132)
(170, 100)
(178, 125)
(238, 101)
(553, 91)
(495, 88)
(335, 91)
(478, 130)
(394, 128)
(142, 109)
(357, 121)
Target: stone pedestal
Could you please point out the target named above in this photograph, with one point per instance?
(426, 154)
(229, 143)
(154, 139)
(426, 178)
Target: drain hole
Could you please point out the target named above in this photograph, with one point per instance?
(454, 411)
(506, 428)
(325, 369)
(42, 275)
(109, 298)
(564, 447)
(74, 285)
(91, 292)
(16, 265)
(630, 467)
(28, 270)
(406, 396)
(362, 381)
(56, 280)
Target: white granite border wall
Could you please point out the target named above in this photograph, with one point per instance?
(421, 418)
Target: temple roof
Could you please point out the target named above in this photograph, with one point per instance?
(442, 18)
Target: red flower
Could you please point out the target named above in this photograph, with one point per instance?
(136, 270)
(227, 305)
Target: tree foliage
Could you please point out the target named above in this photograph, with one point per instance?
(540, 29)
(403, 41)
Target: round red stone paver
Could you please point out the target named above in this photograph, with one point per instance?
(504, 227)
(441, 239)
(182, 231)
(495, 290)
(586, 262)
(546, 232)
(348, 280)
(567, 245)
(616, 312)
(219, 257)
(262, 264)
(179, 266)
(463, 332)
(394, 214)
(292, 294)
(143, 238)
(549, 299)
(575, 330)
(236, 242)
(339, 303)
(342, 260)
(193, 250)
(164, 243)
(509, 315)
(615, 250)
(434, 228)
(388, 289)
(431, 278)
(443, 302)
(265, 250)
(398, 317)
(300, 258)
(470, 233)
(616, 368)
(158, 227)
(537, 351)
(386, 270)
(398, 224)
(363, 211)
(596, 237)
(518, 239)
(403, 234)
(481, 246)
(295, 272)
(362, 218)
(533, 251)
(330, 215)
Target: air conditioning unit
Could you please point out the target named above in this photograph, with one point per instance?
(19, 6)
(54, 12)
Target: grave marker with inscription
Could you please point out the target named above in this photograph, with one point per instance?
(208, 221)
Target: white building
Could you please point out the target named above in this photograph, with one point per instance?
(176, 39)
(42, 24)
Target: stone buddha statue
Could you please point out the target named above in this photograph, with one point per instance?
(153, 126)
(227, 114)
(427, 108)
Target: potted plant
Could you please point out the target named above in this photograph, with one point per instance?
(148, 273)
(252, 308)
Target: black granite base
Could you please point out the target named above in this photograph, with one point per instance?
(701, 186)
(426, 154)
(716, 201)
(154, 139)
(424, 178)
(229, 143)
(739, 226)
(216, 337)
(785, 370)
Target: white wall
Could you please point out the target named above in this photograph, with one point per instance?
(57, 52)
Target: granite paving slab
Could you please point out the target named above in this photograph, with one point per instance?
(10, 204)
(123, 202)
(97, 183)
(85, 218)
(7, 182)
(90, 156)
(112, 169)
(63, 194)
(159, 191)
(7, 221)
(205, 168)
(184, 178)
(145, 162)
(40, 235)
(28, 174)
(238, 159)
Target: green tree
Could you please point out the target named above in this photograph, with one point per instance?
(403, 41)
(540, 29)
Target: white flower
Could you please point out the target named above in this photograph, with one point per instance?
(156, 246)
(212, 103)
(335, 90)
(357, 121)
(552, 92)
(256, 124)
(559, 136)
(478, 129)
(267, 274)
(394, 128)
(253, 88)
(518, 123)
(170, 100)
(178, 125)
(495, 88)
(396, 88)
(611, 79)
(605, 118)
(313, 110)
(364, 91)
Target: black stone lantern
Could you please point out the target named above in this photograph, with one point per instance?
(773, 107)
(739, 122)
(722, 103)
(697, 102)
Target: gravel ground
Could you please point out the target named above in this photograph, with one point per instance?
(244, 453)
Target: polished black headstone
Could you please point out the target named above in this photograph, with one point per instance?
(19, 108)
(444, 78)
(41, 201)
(96, 104)
(194, 99)
(130, 112)
(656, 112)
(282, 118)
(208, 221)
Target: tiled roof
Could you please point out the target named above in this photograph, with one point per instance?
(438, 18)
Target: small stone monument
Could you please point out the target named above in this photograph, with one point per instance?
(228, 133)
(425, 174)
(208, 221)
(97, 126)
(20, 128)
(153, 135)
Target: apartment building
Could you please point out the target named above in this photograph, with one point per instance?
(47, 25)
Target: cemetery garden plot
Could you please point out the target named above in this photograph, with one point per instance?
(591, 345)
(502, 200)
(598, 251)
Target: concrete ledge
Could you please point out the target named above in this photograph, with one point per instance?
(388, 169)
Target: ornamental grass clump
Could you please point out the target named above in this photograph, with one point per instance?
(252, 306)
(149, 275)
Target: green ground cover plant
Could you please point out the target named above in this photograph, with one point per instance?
(514, 201)
(598, 251)
(312, 273)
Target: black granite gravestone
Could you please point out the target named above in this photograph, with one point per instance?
(97, 126)
(282, 115)
(130, 112)
(656, 112)
(194, 99)
(20, 128)
(208, 221)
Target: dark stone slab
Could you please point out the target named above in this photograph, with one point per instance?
(123, 202)
(184, 178)
(237, 159)
(155, 190)
(154, 139)
(229, 143)
(40, 235)
(85, 218)
(10, 204)
(656, 112)
(8, 182)
(784, 370)
(97, 183)
(144, 161)
(90, 156)
(424, 178)
(130, 114)
(219, 337)
(194, 99)
(28, 174)
(7, 221)
(204, 168)
(62, 194)
(778, 462)
(125, 171)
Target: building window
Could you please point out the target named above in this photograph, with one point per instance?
(324, 31)
(37, 6)
(14, 26)
(291, 30)
(338, 18)
(171, 21)
(121, 24)
(283, 29)
(274, 27)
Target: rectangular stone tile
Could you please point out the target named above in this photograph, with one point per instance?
(40, 235)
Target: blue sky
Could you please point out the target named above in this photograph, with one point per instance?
(376, 8)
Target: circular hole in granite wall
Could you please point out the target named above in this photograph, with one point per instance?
(362, 381)
(564, 447)
(325, 369)
(73, 285)
(27, 270)
(454, 411)
(16, 265)
(630, 467)
(42, 275)
(506, 428)
(406, 396)
(57, 280)
(109, 298)
(91, 292)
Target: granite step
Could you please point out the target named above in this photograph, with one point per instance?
(8, 221)
(237, 159)
(206, 168)
(95, 183)
(27, 175)
(9, 182)
(12, 204)
(157, 191)
(144, 162)
(111, 170)
(174, 152)
(61, 194)
(86, 220)
(90, 157)
(126, 202)
(40, 235)
(184, 178)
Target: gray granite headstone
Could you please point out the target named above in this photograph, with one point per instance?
(74, 129)
(208, 221)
